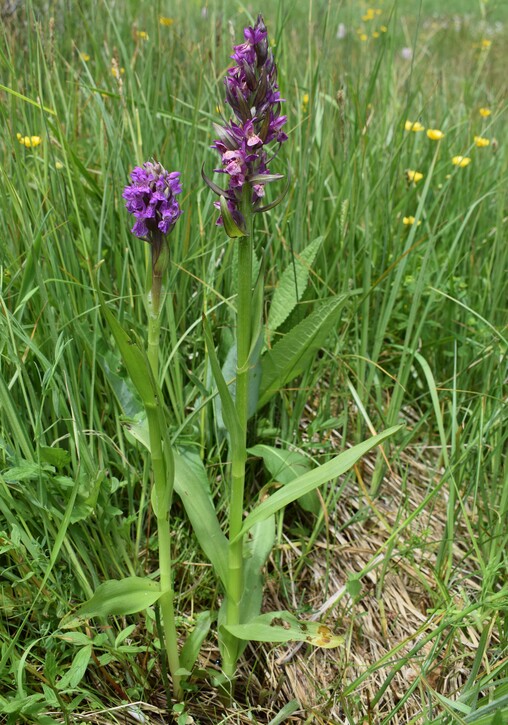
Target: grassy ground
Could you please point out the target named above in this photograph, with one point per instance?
(407, 558)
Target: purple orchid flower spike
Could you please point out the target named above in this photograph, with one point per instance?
(151, 198)
(254, 98)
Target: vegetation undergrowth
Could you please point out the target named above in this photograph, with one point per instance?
(405, 556)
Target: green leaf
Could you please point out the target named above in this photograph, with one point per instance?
(57, 457)
(284, 466)
(311, 480)
(257, 550)
(195, 639)
(79, 639)
(292, 285)
(229, 413)
(289, 357)
(134, 358)
(116, 597)
(284, 627)
(77, 670)
(494, 712)
(138, 429)
(191, 485)
(120, 384)
(229, 375)
(288, 709)
(353, 586)
(27, 471)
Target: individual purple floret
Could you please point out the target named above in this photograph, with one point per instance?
(151, 198)
(253, 95)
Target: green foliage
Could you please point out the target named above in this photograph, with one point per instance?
(309, 481)
(191, 485)
(290, 356)
(292, 285)
(285, 627)
(284, 466)
(117, 597)
(195, 639)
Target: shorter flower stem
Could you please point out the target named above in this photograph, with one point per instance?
(162, 481)
(161, 475)
(155, 297)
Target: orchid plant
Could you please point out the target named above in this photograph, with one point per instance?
(247, 144)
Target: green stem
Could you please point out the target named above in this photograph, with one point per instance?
(163, 476)
(155, 297)
(162, 491)
(243, 345)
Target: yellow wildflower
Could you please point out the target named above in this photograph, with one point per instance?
(461, 161)
(58, 165)
(435, 134)
(383, 28)
(142, 34)
(375, 34)
(486, 43)
(29, 141)
(114, 71)
(485, 112)
(305, 102)
(409, 220)
(413, 126)
(481, 142)
(166, 21)
(84, 56)
(369, 15)
(363, 37)
(413, 176)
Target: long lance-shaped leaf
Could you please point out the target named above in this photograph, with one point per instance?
(195, 639)
(191, 485)
(311, 480)
(284, 627)
(229, 413)
(292, 284)
(291, 355)
(116, 597)
(134, 358)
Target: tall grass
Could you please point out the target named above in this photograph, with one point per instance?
(422, 340)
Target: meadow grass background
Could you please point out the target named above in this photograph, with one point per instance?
(422, 340)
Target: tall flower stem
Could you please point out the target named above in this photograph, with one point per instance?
(239, 455)
(162, 479)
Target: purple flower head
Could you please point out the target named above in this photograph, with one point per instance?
(253, 95)
(151, 198)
